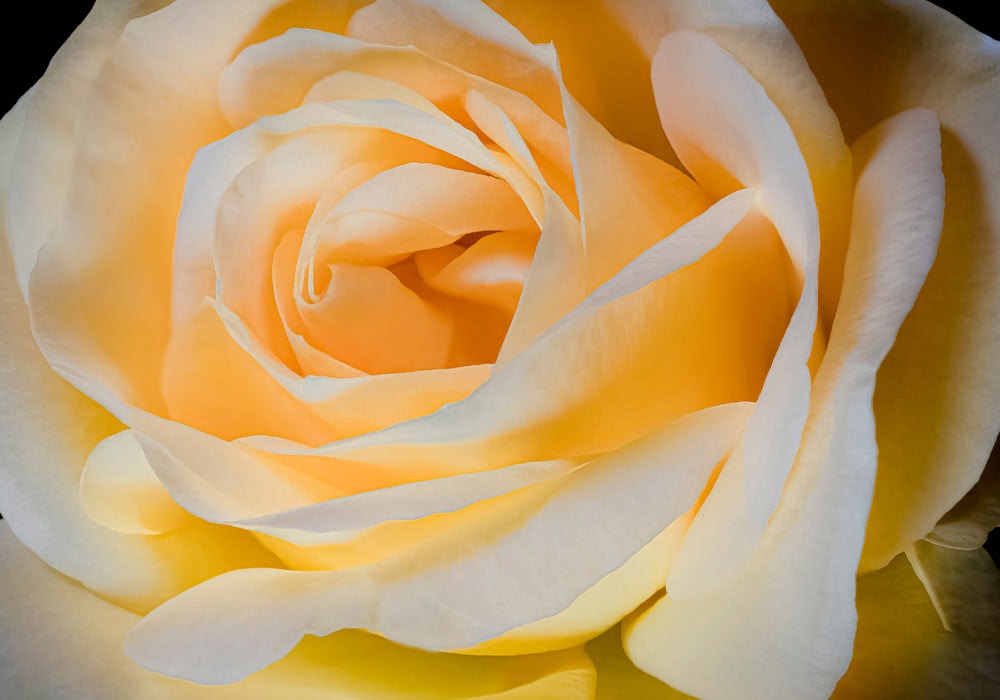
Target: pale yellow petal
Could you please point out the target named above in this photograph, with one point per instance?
(138, 140)
(729, 133)
(783, 625)
(755, 36)
(48, 431)
(618, 678)
(119, 490)
(937, 400)
(528, 560)
(71, 647)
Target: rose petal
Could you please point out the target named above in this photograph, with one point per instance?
(782, 627)
(555, 543)
(54, 110)
(89, 298)
(594, 53)
(628, 199)
(756, 37)
(728, 133)
(938, 396)
(48, 429)
(119, 490)
(469, 35)
(475, 434)
(600, 606)
(88, 660)
(356, 404)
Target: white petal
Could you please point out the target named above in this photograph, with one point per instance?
(729, 133)
(527, 561)
(783, 626)
(61, 642)
(937, 400)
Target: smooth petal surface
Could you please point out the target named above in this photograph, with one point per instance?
(546, 546)
(524, 397)
(938, 395)
(54, 108)
(729, 134)
(48, 429)
(783, 627)
(140, 141)
(753, 34)
(119, 490)
(79, 636)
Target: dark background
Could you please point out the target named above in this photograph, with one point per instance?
(29, 43)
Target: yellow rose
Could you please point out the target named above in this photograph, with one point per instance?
(341, 334)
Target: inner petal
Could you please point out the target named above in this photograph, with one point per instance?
(369, 319)
(491, 270)
(417, 206)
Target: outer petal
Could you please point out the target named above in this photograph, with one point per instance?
(528, 556)
(783, 628)
(938, 395)
(902, 651)
(47, 430)
(138, 140)
(54, 114)
(71, 647)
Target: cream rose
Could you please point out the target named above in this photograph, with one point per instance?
(341, 334)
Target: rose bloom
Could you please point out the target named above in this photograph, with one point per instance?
(527, 349)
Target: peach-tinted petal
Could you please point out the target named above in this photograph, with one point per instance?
(595, 52)
(48, 430)
(545, 547)
(783, 626)
(369, 319)
(212, 384)
(71, 647)
(360, 402)
(452, 202)
(492, 270)
(756, 37)
(938, 394)
(54, 108)
(903, 651)
(628, 199)
(101, 317)
(469, 35)
(616, 364)
(729, 133)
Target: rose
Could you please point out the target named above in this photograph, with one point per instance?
(527, 506)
